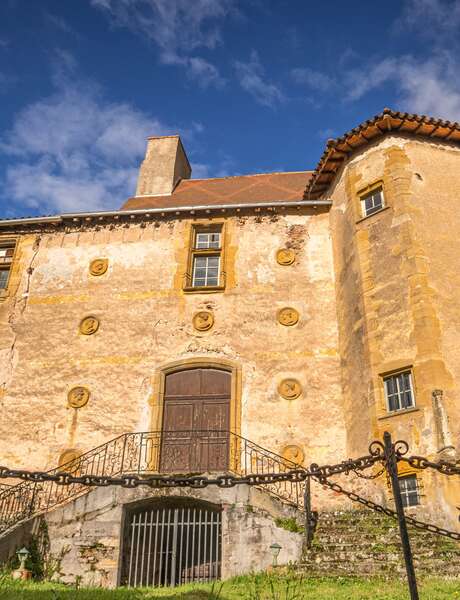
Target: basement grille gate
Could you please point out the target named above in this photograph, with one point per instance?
(171, 545)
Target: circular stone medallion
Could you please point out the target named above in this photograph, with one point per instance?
(290, 389)
(78, 396)
(285, 256)
(293, 453)
(69, 461)
(99, 266)
(288, 316)
(89, 325)
(203, 320)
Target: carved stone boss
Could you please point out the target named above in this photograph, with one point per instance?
(288, 316)
(99, 266)
(290, 389)
(89, 325)
(203, 320)
(78, 396)
(293, 453)
(285, 256)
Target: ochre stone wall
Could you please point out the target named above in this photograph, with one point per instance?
(146, 325)
(397, 297)
(374, 295)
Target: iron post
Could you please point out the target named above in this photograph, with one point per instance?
(392, 469)
(310, 515)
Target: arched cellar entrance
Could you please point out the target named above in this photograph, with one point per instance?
(196, 420)
(170, 542)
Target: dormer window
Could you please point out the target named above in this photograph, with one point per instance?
(372, 201)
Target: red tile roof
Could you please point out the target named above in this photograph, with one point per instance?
(387, 122)
(242, 189)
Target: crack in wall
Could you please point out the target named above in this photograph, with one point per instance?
(21, 305)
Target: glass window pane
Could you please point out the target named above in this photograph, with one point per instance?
(393, 403)
(390, 385)
(407, 400)
(405, 383)
(4, 278)
(372, 202)
(200, 261)
(212, 280)
(205, 240)
(377, 199)
(411, 483)
(398, 391)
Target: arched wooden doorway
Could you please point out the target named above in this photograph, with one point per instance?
(196, 420)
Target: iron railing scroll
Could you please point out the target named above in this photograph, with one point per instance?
(146, 456)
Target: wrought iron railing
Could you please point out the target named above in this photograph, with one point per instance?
(178, 452)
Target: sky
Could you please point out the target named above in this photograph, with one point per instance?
(251, 86)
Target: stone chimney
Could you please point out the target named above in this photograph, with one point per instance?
(164, 165)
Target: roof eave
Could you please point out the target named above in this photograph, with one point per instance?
(388, 122)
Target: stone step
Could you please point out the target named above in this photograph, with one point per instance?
(365, 543)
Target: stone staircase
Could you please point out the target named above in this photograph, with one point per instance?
(365, 543)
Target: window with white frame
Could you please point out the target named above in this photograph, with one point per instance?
(206, 271)
(206, 258)
(7, 248)
(399, 391)
(207, 239)
(409, 490)
(372, 201)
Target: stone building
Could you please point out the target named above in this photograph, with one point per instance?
(240, 323)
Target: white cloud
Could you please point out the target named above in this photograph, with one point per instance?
(428, 87)
(75, 150)
(251, 78)
(431, 18)
(204, 72)
(313, 79)
(178, 27)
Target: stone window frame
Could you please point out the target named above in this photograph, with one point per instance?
(405, 494)
(9, 241)
(394, 375)
(365, 192)
(393, 368)
(405, 470)
(193, 252)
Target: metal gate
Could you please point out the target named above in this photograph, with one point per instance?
(168, 545)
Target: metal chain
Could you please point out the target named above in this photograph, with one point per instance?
(155, 481)
(420, 462)
(375, 476)
(293, 475)
(454, 535)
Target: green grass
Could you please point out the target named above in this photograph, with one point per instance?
(255, 587)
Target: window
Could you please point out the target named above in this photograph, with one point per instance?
(399, 391)
(205, 262)
(409, 490)
(372, 201)
(7, 248)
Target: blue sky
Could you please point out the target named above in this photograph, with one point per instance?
(251, 86)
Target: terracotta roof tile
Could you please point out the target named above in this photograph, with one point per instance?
(242, 189)
(387, 122)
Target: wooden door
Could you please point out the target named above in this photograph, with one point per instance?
(196, 420)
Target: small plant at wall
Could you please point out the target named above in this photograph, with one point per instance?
(290, 524)
(38, 547)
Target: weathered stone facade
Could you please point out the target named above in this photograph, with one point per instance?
(372, 295)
